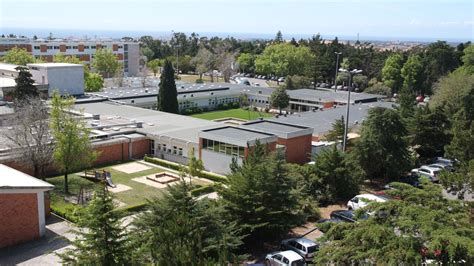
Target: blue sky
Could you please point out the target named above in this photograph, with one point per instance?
(438, 19)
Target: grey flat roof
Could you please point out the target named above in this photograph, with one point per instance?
(282, 130)
(50, 65)
(154, 122)
(237, 136)
(322, 120)
(330, 95)
(13, 179)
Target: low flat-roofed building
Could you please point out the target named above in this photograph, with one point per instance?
(218, 146)
(295, 140)
(321, 120)
(22, 206)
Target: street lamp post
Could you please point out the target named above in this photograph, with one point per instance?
(337, 65)
(346, 127)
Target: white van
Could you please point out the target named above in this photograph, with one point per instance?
(363, 200)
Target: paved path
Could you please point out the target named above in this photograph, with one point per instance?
(41, 251)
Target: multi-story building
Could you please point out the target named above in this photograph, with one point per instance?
(128, 53)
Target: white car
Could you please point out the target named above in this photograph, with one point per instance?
(287, 258)
(303, 246)
(441, 166)
(429, 172)
(362, 200)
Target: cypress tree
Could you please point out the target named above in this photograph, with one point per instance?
(168, 96)
(24, 85)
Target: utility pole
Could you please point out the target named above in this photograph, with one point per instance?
(346, 127)
(337, 67)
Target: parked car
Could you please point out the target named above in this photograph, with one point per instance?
(429, 172)
(446, 167)
(363, 200)
(411, 179)
(303, 246)
(346, 216)
(444, 161)
(287, 257)
(281, 79)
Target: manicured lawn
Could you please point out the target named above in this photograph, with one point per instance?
(137, 195)
(235, 113)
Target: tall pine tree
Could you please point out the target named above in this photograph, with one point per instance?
(101, 239)
(180, 230)
(24, 85)
(168, 96)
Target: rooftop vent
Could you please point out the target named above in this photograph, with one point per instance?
(96, 117)
(139, 124)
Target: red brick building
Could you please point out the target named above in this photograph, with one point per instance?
(22, 206)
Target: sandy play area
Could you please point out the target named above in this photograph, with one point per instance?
(130, 168)
(144, 180)
(119, 188)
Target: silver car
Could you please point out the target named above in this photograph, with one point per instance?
(287, 258)
(303, 246)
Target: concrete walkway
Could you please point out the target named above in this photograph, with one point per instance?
(40, 251)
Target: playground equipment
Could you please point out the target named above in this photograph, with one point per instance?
(102, 175)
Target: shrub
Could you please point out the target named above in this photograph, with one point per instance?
(67, 213)
(132, 208)
(199, 81)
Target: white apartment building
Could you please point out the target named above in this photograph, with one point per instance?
(128, 53)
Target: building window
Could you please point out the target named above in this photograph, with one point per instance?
(50, 47)
(56, 47)
(152, 147)
(74, 47)
(68, 47)
(125, 47)
(37, 47)
(180, 151)
(158, 146)
(86, 47)
(164, 147)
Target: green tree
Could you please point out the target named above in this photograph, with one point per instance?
(459, 182)
(105, 62)
(421, 225)
(279, 98)
(391, 72)
(379, 88)
(406, 100)
(284, 59)
(93, 82)
(381, 150)
(338, 177)
(24, 87)
(148, 53)
(155, 65)
(360, 81)
(278, 37)
(18, 56)
(411, 73)
(429, 132)
(168, 96)
(260, 196)
(62, 58)
(246, 62)
(468, 59)
(337, 131)
(101, 239)
(438, 60)
(204, 61)
(180, 230)
(296, 82)
(450, 91)
(72, 138)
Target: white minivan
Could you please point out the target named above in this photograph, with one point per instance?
(363, 200)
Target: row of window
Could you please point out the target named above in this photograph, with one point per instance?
(175, 150)
(221, 147)
(258, 101)
(71, 47)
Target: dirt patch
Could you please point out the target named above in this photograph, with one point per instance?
(326, 211)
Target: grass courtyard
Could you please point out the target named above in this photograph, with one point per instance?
(138, 194)
(235, 113)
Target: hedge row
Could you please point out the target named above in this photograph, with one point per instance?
(202, 190)
(178, 167)
(68, 214)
